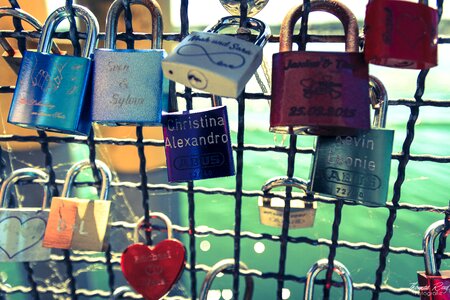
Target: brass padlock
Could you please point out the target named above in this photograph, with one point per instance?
(80, 224)
(22, 229)
(271, 209)
(13, 56)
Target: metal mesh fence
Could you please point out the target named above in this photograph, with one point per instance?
(110, 260)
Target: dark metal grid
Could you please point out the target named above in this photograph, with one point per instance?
(113, 258)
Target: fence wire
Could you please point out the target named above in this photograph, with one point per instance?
(112, 258)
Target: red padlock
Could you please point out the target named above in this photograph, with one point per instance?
(321, 93)
(433, 284)
(401, 34)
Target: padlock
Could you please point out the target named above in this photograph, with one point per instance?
(129, 87)
(198, 144)
(357, 167)
(322, 265)
(22, 229)
(13, 56)
(80, 224)
(51, 89)
(401, 34)
(271, 209)
(433, 283)
(224, 265)
(319, 93)
(217, 63)
(152, 271)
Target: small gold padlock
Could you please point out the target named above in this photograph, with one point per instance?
(271, 209)
(80, 224)
(13, 56)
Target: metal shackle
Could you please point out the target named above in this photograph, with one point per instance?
(283, 181)
(76, 169)
(60, 14)
(336, 8)
(24, 16)
(430, 235)
(120, 292)
(113, 16)
(251, 23)
(379, 101)
(22, 174)
(225, 264)
(322, 265)
(156, 215)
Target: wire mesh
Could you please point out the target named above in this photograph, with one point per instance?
(111, 259)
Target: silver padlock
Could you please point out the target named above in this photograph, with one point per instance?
(322, 265)
(271, 209)
(217, 63)
(22, 229)
(13, 56)
(225, 264)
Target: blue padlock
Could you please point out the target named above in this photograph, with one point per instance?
(51, 89)
(129, 87)
(198, 144)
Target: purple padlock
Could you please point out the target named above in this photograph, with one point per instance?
(198, 144)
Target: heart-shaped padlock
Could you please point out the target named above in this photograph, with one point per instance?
(152, 271)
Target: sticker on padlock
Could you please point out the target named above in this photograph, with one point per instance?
(401, 34)
(357, 167)
(153, 270)
(434, 284)
(271, 209)
(128, 85)
(319, 93)
(217, 63)
(322, 265)
(198, 144)
(51, 89)
(80, 224)
(13, 56)
(223, 265)
(22, 229)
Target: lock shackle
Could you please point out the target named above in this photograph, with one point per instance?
(379, 100)
(430, 235)
(225, 264)
(119, 292)
(156, 215)
(26, 17)
(113, 16)
(336, 8)
(285, 181)
(251, 23)
(62, 13)
(76, 168)
(322, 265)
(23, 174)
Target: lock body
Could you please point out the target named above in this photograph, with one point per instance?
(401, 34)
(271, 210)
(22, 232)
(434, 287)
(198, 144)
(354, 167)
(129, 87)
(216, 63)
(319, 93)
(50, 94)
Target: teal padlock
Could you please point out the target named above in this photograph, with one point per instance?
(357, 167)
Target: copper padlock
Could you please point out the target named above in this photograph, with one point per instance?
(80, 224)
(13, 56)
(320, 93)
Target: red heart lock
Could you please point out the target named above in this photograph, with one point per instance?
(152, 271)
